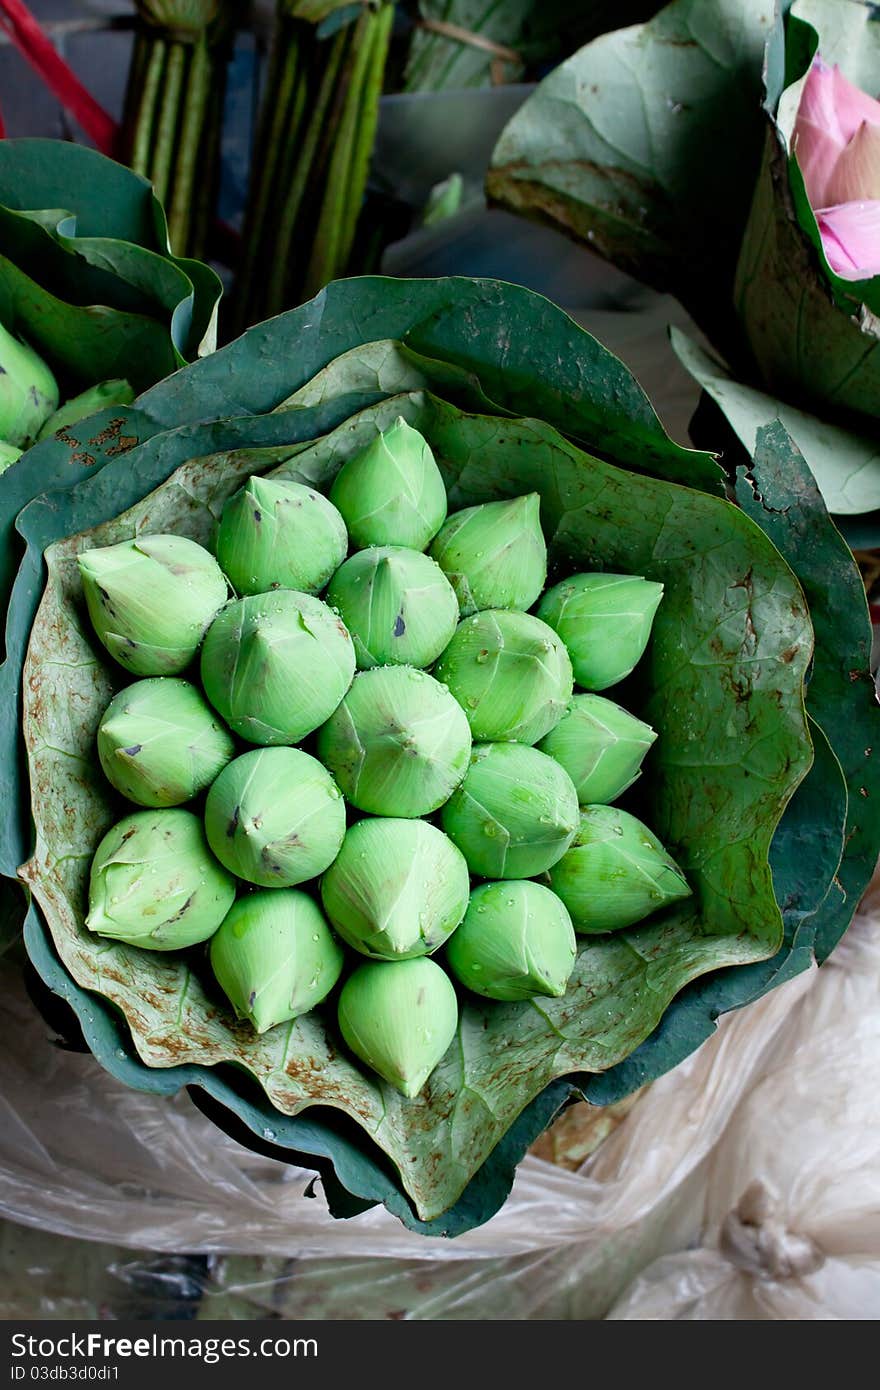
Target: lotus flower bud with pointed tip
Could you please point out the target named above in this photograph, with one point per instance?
(155, 884)
(510, 673)
(616, 872)
(398, 888)
(605, 622)
(28, 391)
(100, 397)
(494, 555)
(151, 600)
(275, 666)
(160, 743)
(275, 957)
(516, 942)
(600, 745)
(515, 813)
(279, 534)
(398, 745)
(400, 1018)
(9, 455)
(391, 493)
(275, 817)
(397, 604)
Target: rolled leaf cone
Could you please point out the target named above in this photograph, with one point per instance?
(160, 743)
(279, 534)
(398, 888)
(397, 604)
(510, 673)
(494, 555)
(399, 1017)
(9, 454)
(514, 815)
(600, 745)
(107, 393)
(275, 817)
(516, 942)
(275, 957)
(616, 872)
(275, 666)
(151, 600)
(605, 622)
(28, 391)
(155, 884)
(398, 744)
(392, 493)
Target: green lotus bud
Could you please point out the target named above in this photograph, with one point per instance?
(100, 397)
(398, 888)
(151, 600)
(28, 392)
(494, 555)
(9, 455)
(160, 743)
(515, 813)
(516, 941)
(280, 535)
(275, 957)
(601, 747)
(615, 873)
(398, 745)
(397, 604)
(276, 665)
(399, 1018)
(275, 817)
(391, 493)
(605, 622)
(510, 673)
(154, 883)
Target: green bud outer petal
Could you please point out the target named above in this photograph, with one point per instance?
(275, 957)
(616, 872)
(516, 942)
(494, 555)
(514, 815)
(400, 1018)
(28, 391)
(392, 492)
(510, 673)
(155, 884)
(275, 533)
(397, 604)
(600, 745)
(605, 622)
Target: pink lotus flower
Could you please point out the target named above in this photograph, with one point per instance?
(837, 146)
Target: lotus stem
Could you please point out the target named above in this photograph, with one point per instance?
(169, 116)
(142, 137)
(365, 135)
(180, 211)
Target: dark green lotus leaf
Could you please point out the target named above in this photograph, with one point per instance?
(732, 627)
(276, 371)
(619, 147)
(86, 274)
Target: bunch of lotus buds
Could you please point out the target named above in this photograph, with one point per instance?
(395, 785)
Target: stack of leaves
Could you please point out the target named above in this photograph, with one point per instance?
(728, 154)
(174, 109)
(310, 163)
(759, 784)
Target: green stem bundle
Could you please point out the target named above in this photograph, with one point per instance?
(311, 160)
(174, 110)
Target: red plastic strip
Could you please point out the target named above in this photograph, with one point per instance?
(36, 46)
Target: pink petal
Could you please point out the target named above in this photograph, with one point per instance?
(818, 139)
(853, 106)
(856, 176)
(851, 238)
